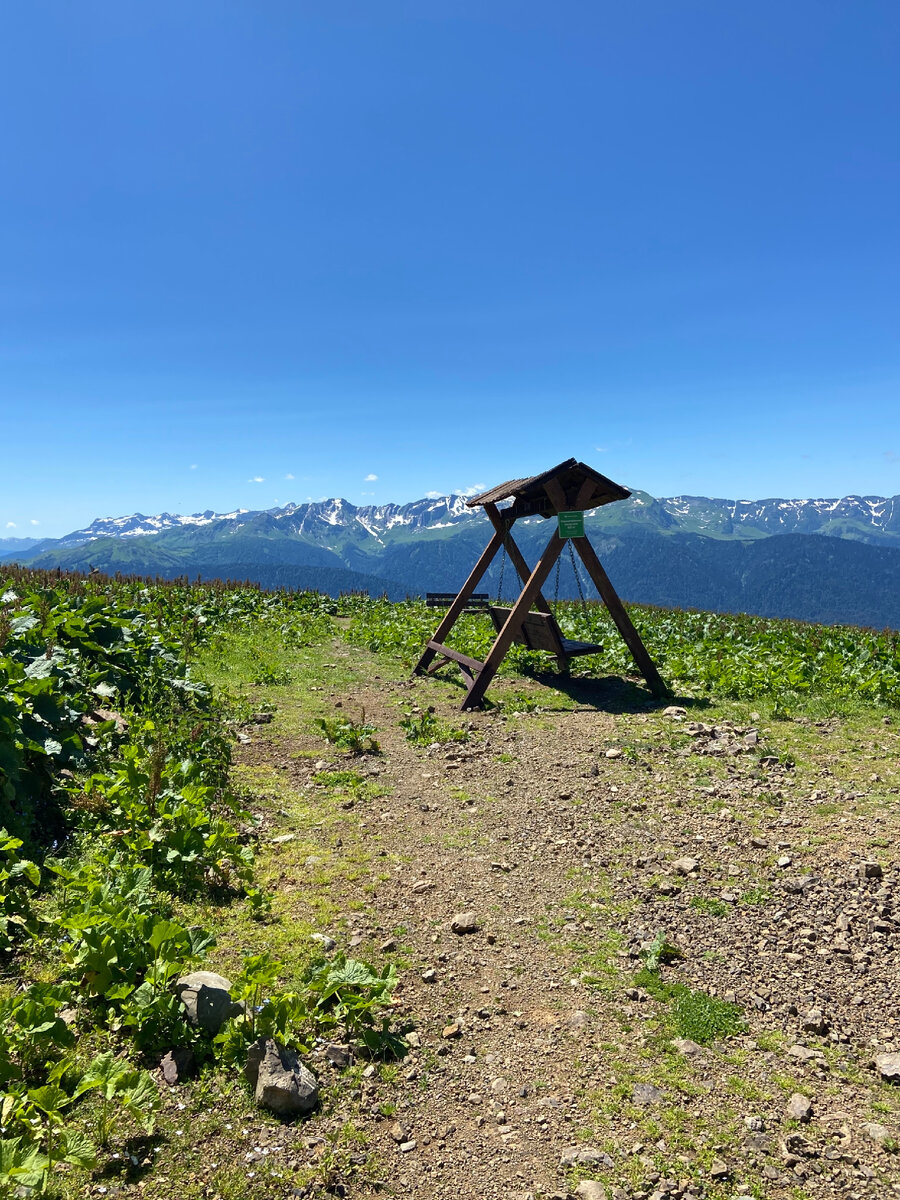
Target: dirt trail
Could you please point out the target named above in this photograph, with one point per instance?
(575, 837)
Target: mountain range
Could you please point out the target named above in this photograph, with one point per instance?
(832, 560)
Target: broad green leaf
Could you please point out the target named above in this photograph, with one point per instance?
(166, 931)
(104, 1073)
(22, 1162)
(49, 1099)
(77, 1149)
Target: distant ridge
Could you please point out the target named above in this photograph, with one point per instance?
(819, 560)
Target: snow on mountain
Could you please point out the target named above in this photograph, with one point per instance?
(138, 525)
(870, 518)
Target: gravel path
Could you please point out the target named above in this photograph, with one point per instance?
(562, 843)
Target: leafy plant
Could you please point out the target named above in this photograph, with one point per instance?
(347, 734)
(660, 950)
(423, 728)
(710, 905)
(354, 994)
(120, 1088)
(15, 900)
(702, 1017)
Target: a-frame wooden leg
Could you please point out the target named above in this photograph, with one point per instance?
(630, 635)
(460, 602)
(516, 557)
(514, 621)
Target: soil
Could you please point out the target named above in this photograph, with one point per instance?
(760, 854)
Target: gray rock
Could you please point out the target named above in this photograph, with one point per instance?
(207, 1001)
(869, 870)
(589, 1189)
(280, 1081)
(464, 922)
(177, 1065)
(755, 1124)
(888, 1066)
(338, 1055)
(804, 1054)
(880, 1134)
(674, 710)
(719, 1169)
(796, 884)
(813, 1021)
(327, 943)
(799, 1107)
(684, 866)
(686, 1046)
(646, 1093)
(585, 1156)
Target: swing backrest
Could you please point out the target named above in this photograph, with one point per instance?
(539, 631)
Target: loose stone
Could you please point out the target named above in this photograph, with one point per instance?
(646, 1093)
(888, 1066)
(799, 1107)
(879, 1134)
(464, 922)
(280, 1081)
(685, 865)
(207, 1001)
(584, 1156)
(589, 1189)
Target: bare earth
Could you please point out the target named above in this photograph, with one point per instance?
(575, 836)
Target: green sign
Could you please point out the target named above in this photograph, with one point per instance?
(570, 524)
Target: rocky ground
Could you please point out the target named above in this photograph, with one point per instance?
(525, 879)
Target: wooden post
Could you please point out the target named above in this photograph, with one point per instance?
(460, 602)
(516, 557)
(617, 611)
(514, 621)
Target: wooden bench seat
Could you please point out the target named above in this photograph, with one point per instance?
(477, 602)
(540, 631)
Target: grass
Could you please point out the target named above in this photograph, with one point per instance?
(710, 906)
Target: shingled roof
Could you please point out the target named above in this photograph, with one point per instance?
(570, 475)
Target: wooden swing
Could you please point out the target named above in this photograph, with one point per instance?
(540, 630)
(564, 492)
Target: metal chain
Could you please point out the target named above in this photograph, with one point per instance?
(502, 568)
(577, 576)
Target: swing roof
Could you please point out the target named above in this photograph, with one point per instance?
(570, 475)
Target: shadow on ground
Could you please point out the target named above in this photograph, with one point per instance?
(606, 693)
(610, 693)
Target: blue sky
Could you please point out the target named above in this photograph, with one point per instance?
(260, 251)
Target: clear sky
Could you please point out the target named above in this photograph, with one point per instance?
(258, 251)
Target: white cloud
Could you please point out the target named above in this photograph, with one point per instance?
(470, 491)
(600, 449)
(433, 495)
(33, 522)
(193, 466)
(257, 479)
(370, 478)
(10, 524)
(289, 475)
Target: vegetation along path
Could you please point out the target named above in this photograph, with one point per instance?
(581, 943)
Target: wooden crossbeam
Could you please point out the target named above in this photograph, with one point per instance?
(514, 622)
(459, 603)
